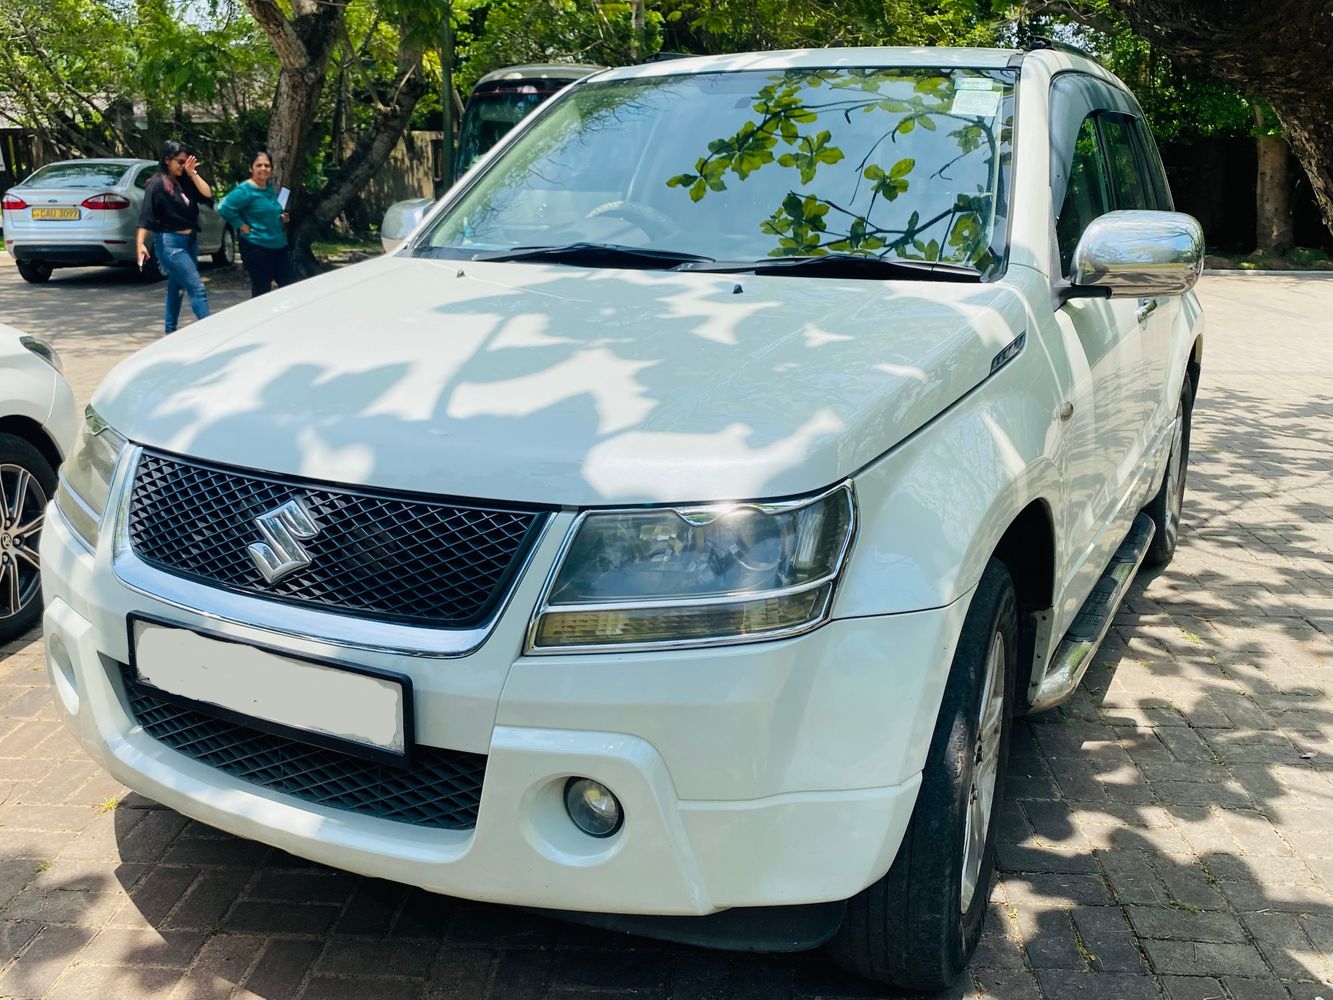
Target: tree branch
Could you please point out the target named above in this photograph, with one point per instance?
(1079, 15)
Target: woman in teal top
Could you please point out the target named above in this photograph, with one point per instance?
(254, 212)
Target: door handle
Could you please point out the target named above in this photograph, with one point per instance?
(1146, 308)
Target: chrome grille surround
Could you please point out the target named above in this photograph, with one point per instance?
(408, 559)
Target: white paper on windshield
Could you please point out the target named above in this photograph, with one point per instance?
(283, 195)
(310, 696)
(976, 103)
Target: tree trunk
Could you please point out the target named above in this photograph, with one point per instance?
(1272, 192)
(392, 116)
(303, 45)
(1279, 50)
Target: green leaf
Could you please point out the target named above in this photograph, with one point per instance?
(902, 168)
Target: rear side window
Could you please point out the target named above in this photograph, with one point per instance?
(145, 175)
(77, 175)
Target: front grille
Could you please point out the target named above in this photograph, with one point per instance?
(442, 788)
(404, 558)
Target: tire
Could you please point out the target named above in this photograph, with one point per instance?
(917, 927)
(27, 482)
(36, 272)
(1165, 507)
(226, 253)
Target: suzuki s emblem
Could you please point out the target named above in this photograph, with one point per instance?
(283, 529)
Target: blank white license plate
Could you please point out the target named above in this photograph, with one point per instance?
(333, 702)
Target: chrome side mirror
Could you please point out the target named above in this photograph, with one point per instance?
(1139, 253)
(400, 219)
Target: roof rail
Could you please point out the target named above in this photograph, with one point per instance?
(1029, 42)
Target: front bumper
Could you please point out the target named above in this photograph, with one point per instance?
(772, 774)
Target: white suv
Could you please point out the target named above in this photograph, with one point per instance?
(668, 532)
(37, 427)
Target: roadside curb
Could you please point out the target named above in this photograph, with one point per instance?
(1257, 273)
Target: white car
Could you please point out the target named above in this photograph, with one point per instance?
(667, 533)
(37, 428)
(78, 213)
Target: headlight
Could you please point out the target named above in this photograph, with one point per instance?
(85, 477)
(695, 576)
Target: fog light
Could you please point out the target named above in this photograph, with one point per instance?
(592, 807)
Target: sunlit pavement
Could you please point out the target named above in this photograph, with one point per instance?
(1169, 832)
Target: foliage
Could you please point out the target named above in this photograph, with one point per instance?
(509, 32)
(1181, 105)
(714, 26)
(787, 134)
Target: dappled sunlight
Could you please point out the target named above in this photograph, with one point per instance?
(631, 465)
(620, 400)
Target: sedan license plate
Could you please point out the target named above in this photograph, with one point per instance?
(347, 708)
(55, 213)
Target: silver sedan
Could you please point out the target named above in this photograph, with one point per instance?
(85, 212)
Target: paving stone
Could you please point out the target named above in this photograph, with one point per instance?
(98, 982)
(1059, 889)
(349, 956)
(45, 958)
(221, 965)
(1007, 985)
(1107, 937)
(1175, 924)
(1260, 989)
(118, 946)
(281, 970)
(1193, 988)
(1202, 958)
(1095, 986)
(252, 917)
(59, 906)
(210, 896)
(462, 973)
(1281, 940)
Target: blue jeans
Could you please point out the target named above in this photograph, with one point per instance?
(176, 252)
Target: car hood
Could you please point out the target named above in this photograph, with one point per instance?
(564, 386)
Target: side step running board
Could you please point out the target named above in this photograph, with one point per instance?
(1093, 620)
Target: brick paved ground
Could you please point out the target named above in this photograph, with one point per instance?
(1169, 832)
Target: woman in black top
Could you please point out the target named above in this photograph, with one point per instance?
(171, 214)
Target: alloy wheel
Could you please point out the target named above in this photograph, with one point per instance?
(985, 771)
(22, 508)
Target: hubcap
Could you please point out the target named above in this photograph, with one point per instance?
(1175, 482)
(22, 506)
(985, 771)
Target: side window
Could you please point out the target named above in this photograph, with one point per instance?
(145, 175)
(1130, 186)
(1086, 196)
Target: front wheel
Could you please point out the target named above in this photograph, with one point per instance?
(27, 482)
(1165, 508)
(917, 926)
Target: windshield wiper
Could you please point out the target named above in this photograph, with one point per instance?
(848, 265)
(596, 255)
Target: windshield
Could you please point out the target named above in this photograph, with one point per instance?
(489, 116)
(77, 175)
(899, 164)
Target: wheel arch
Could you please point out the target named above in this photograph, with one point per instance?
(33, 432)
(1027, 549)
